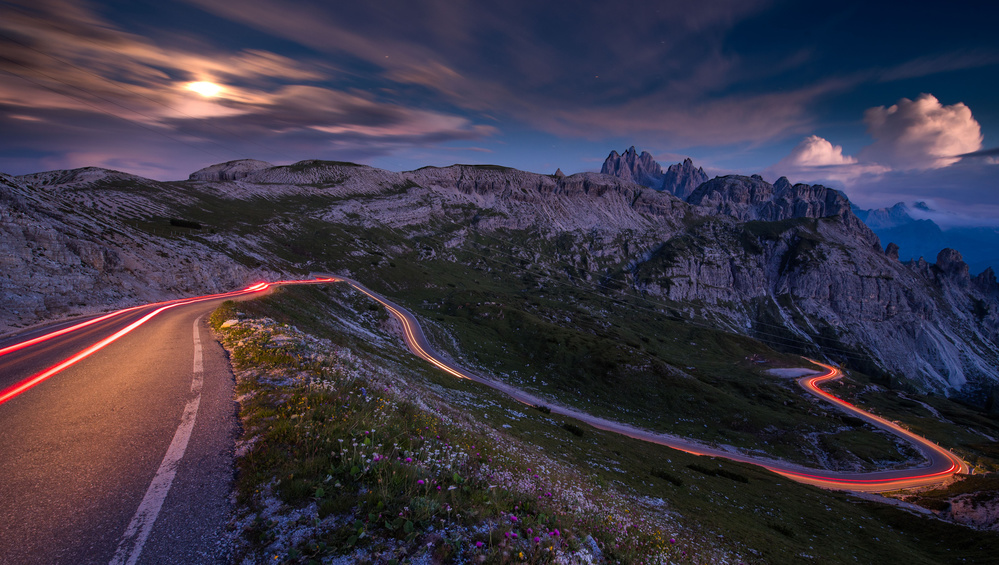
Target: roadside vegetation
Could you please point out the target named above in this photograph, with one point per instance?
(333, 407)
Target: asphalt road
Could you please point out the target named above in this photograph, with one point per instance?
(938, 467)
(79, 450)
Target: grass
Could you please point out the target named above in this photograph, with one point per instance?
(762, 519)
(389, 476)
(617, 359)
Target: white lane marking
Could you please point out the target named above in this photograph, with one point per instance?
(130, 546)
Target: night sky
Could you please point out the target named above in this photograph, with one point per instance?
(887, 101)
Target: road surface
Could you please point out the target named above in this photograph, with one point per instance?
(940, 464)
(118, 435)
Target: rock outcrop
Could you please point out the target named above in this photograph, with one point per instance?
(64, 255)
(639, 169)
(681, 179)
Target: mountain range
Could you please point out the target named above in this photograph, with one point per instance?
(917, 235)
(791, 265)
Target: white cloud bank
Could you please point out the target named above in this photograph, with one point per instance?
(814, 151)
(920, 134)
(911, 135)
(816, 159)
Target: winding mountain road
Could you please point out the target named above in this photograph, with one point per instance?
(940, 463)
(126, 457)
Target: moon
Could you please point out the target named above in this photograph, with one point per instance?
(204, 88)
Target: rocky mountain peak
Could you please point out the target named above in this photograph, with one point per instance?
(639, 169)
(986, 281)
(682, 179)
(892, 251)
(782, 185)
(752, 198)
(230, 170)
(950, 262)
(886, 218)
(558, 173)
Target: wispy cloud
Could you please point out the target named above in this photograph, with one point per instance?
(62, 59)
(592, 71)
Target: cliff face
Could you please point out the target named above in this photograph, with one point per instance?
(782, 262)
(682, 179)
(788, 264)
(61, 259)
(819, 281)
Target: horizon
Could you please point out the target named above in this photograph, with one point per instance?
(898, 109)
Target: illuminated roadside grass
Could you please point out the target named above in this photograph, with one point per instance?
(379, 475)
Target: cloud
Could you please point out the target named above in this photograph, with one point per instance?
(911, 135)
(963, 192)
(660, 76)
(73, 76)
(814, 151)
(934, 64)
(815, 159)
(920, 134)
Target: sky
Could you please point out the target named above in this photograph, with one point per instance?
(887, 101)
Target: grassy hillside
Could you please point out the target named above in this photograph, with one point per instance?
(321, 365)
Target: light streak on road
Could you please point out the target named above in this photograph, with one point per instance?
(30, 382)
(64, 331)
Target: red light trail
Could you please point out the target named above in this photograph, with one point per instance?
(26, 384)
(943, 463)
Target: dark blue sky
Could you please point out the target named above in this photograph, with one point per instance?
(877, 98)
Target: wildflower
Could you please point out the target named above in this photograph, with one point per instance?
(513, 518)
(479, 544)
(672, 540)
(537, 539)
(420, 482)
(409, 460)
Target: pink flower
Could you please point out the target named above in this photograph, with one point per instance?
(420, 482)
(672, 540)
(409, 460)
(479, 544)
(537, 539)
(513, 518)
